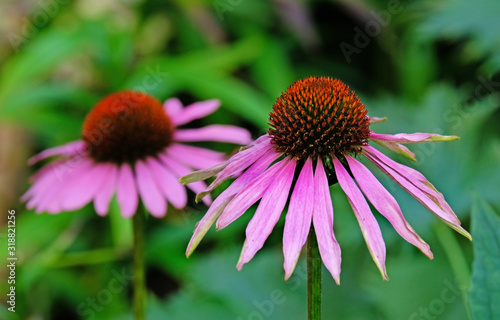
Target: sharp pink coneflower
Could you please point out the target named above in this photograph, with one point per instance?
(131, 146)
(318, 128)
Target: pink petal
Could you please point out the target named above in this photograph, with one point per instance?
(405, 180)
(173, 106)
(249, 195)
(329, 248)
(48, 191)
(167, 183)
(417, 179)
(367, 222)
(148, 190)
(198, 158)
(268, 213)
(385, 203)
(223, 199)
(82, 188)
(103, 197)
(298, 217)
(68, 149)
(222, 133)
(398, 148)
(44, 177)
(126, 191)
(243, 153)
(411, 137)
(180, 170)
(240, 161)
(194, 111)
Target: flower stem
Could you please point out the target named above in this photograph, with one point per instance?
(138, 256)
(313, 278)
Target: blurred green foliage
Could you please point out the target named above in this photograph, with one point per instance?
(429, 66)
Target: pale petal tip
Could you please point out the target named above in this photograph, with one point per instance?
(444, 138)
(199, 197)
(409, 156)
(374, 120)
(193, 244)
(465, 234)
(459, 229)
(289, 270)
(382, 269)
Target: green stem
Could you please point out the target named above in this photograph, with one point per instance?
(138, 256)
(313, 278)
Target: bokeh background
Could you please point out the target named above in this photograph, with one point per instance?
(429, 66)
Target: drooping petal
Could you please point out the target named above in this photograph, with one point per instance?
(173, 106)
(402, 178)
(83, 187)
(194, 111)
(329, 248)
(103, 197)
(167, 183)
(126, 191)
(148, 190)
(417, 179)
(398, 148)
(248, 196)
(198, 158)
(268, 213)
(223, 199)
(216, 132)
(68, 149)
(247, 151)
(298, 218)
(180, 170)
(203, 174)
(367, 222)
(240, 162)
(412, 137)
(385, 203)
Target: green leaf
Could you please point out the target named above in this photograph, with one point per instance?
(477, 21)
(38, 58)
(484, 294)
(235, 95)
(272, 70)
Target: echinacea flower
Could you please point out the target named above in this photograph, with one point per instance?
(131, 146)
(318, 129)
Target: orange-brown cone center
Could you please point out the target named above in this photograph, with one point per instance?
(318, 117)
(127, 126)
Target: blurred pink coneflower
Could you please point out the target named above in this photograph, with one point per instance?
(131, 146)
